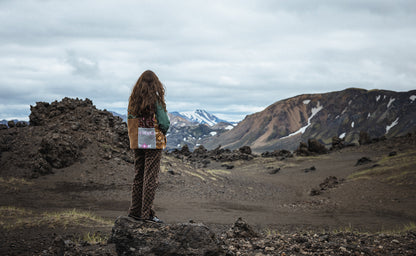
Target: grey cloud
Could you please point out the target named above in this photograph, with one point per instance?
(221, 56)
(82, 65)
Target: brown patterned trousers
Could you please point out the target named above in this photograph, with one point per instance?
(146, 166)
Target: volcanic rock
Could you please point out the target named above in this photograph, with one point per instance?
(363, 160)
(241, 229)
(133, 237)
(11, 124)
(316, 147)
(245, 150)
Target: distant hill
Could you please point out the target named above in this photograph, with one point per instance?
(193, 128)
(199, 116)
(322, 116)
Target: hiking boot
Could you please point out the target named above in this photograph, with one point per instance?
(155, 219)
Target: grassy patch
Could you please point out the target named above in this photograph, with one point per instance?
(13, 218)
(218, 172)
(12, 184)
(399, 169)
(73, 217)
(195, 174)
(94, 238)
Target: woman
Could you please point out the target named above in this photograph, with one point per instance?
(147, 124)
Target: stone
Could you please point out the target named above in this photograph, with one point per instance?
(363, 160)
(316, 147)
(241, 230)
(245, 150)
(274, 171)
(11, 124)
(133, 237)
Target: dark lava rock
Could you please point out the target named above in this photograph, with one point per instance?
(185, 150)
(11, 124)
(274, 171)
(316, 147)
(337, 143)
(313, 147)
(227, 166)
(21, 124)
(145, 238)
(59, 151)
(241, 230)
(277, 153)
(245, 150)
(3, 127)
(312, 168)
(329, 182)
(363, 160)
(393, 153)
(302, 150)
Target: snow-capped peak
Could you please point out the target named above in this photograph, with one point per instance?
(202, 117)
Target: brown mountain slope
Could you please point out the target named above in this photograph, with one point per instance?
(322, 116)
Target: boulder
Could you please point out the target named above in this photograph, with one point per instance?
(338, 143)
(363, 160)
(277, 153)
(245, 150)
(241, 230)
(316, 147)
(133, 237)
(11, 124)
(302, 150)
(21, 124)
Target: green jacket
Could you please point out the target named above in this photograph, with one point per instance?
(162, 118)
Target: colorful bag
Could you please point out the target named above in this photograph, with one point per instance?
(146, 138)
(151, 137)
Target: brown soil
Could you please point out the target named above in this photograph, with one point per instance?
(376, 196)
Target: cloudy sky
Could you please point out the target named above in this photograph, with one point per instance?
(230, 58)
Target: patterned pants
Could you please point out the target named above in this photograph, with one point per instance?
(147, 166)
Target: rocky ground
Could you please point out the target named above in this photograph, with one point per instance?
(66, 178)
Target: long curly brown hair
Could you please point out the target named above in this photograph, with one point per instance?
(147, 91)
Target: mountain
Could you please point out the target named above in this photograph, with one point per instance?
(322, 116)
(124, 117)
(199, 116)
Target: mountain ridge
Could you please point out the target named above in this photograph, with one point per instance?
(344, 113)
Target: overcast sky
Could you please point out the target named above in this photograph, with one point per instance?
(230, 58)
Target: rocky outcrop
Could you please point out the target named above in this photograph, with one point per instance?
(133, 237)
(59, 135)
(201, 157)
(283, 153)
(313, 147)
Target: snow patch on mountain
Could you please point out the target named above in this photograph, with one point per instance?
(202, 117)
(412, 98)
(306, 102)
(388, 127)
(315, 111)
(230, 127)
(390, 102)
